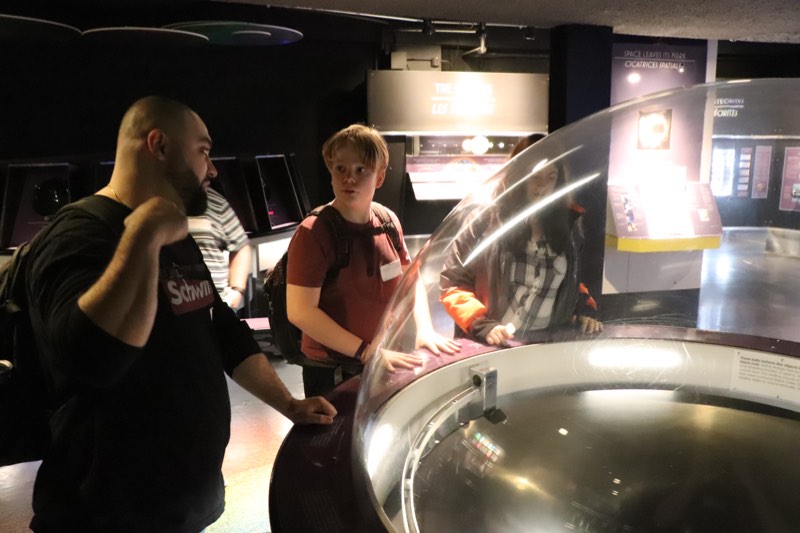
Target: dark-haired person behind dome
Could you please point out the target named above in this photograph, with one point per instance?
(527, 278)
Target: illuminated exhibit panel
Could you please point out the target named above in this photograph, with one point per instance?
(449, 167)
(659, 199)
(460, 126)
(641, 428)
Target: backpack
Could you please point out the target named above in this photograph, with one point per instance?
(26, 401)
(285, 335)
(24, 409)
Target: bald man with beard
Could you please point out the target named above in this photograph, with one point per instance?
(135, 341)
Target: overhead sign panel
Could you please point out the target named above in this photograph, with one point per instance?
(407, 101)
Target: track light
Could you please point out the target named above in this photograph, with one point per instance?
(427, 27)
(529, 34)
(481, 38)
(481, 32)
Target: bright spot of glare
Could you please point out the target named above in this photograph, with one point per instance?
(480, 145)
(634, 77)
(723, 269)
(645, 304)
(639, 356)
(381, 442)
(563, 431)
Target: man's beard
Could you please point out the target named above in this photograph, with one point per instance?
(196, 203)
(193, 194)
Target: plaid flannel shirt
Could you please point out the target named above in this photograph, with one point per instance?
(531, 284)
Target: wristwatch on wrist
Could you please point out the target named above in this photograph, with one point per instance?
(359, 355)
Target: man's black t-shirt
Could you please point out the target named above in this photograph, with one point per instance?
(138, 444)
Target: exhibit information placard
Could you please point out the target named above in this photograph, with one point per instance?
(773, 376)
(790, 182)
(761, 168)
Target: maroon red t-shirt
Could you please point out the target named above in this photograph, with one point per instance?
(358, 297)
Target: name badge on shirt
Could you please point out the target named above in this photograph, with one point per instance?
(391, 270)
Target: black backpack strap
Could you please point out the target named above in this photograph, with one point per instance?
(387, 226)
(341, 235)
(15, 270)
(13, 293)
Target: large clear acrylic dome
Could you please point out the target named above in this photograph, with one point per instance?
(677, 213)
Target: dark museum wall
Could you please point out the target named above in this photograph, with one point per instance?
(64, 101)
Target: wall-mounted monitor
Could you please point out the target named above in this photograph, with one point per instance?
(300, 187)
(32, 194)
(283, 206)
(102, 174)
(230, 183)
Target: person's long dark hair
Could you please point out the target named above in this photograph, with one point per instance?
(557, 222)
(555, 219)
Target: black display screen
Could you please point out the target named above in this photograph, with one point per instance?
(31, 196)
(102, 174)
(230, 183)
(283, 206)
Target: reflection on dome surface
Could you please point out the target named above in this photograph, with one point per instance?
(672, 222)
(612, 460)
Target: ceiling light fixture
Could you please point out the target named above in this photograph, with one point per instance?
(529, 33)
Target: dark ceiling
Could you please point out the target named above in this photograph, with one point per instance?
(776, 21)
(738, 24)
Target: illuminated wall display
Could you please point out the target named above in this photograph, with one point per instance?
(655, 160)
(450, 177)
(639, 69)
(763, 173)
(740, 171)
(462, 125)
(656, 154)
(408, 102)
(722, 170)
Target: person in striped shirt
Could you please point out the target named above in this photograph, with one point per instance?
(226, 249)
